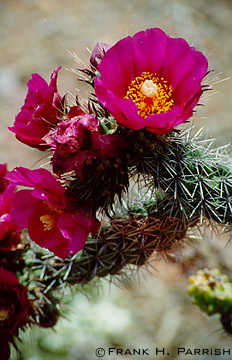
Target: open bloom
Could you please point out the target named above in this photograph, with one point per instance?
(40, 111)
(151, 81)
(15, 306)
(79, 139)
(52, 220)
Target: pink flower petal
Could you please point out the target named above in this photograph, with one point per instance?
(160, 123)
(46, 185)
(6, 198)
(23, 207)
(40, 111)
(74, 231)
(76, 228)
(117, 67)
(178, 51)
(150, 49)
(124, 110)
(184, 68)
(191, 84)
(37, 91)
(52, 87)
(52, 240)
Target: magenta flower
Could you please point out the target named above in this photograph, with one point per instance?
(40, 112)
(3, 181)
(79, 139)
(151, 81)
(98, 53)
(9, 232)
(15, 306)
(52, 220)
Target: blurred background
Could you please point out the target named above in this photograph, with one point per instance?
(151, 309)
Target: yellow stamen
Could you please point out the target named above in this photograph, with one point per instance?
(48, 222)
(4, 314)
(151, 94)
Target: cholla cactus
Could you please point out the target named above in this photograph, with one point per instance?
(126, 136)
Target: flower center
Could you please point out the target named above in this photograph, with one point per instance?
(149, 88)
(4, 314)
(151, 94)
(48, 222)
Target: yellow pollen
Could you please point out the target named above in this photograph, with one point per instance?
(48, 222)
(151, 94)
(4, 314)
